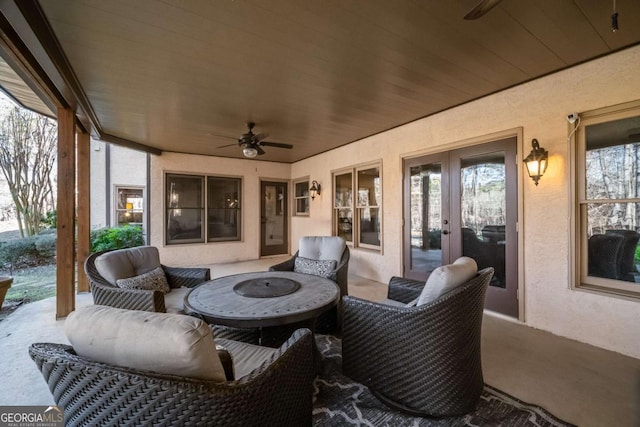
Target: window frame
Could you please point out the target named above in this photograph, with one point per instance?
(204, 200)
(296, 198)
(580, 279)
(355, 207)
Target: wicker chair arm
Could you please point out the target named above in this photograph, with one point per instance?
(90, 393)
(286, 265)
(404, 290)
(188, 277)
(131, 299)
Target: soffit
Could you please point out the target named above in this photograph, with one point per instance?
(186, 75)
(17, 89)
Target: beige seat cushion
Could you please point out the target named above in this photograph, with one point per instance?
(126, 263)
(322, 247)
(174, 300)
(446, 278)
(160, 342)
(246, 357)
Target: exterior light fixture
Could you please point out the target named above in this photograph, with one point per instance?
(315, 189)
(537, 161)
(249, 151)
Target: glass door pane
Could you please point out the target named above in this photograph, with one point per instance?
(427, 217)
(274, 230)
(483, 212)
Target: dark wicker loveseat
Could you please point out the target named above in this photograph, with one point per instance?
(277, 393)
(421, 360)
(104, 293)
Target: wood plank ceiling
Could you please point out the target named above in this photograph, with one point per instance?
(185, 75)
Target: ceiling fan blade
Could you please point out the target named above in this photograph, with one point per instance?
(260, 150)
(481, 8)
(259, 137)
(228, 145)
(275, 144)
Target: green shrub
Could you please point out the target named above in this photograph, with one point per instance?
(46, 247)
(50, 219)
(105, 239)
(637, 254)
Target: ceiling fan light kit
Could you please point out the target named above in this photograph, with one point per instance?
(249, 152)
(252, 144)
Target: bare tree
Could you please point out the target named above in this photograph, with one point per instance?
(27, 160)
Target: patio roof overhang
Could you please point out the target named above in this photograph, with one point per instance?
(186, 76)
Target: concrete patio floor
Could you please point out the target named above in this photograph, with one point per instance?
(579, 383)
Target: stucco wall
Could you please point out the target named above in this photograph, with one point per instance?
(252, 172)
(128, 168)
(98, 183)
(540, 109)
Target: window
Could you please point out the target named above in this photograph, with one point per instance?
(301, 197)
(185, 208)
(608, 201)
(129, 206)
(223, 208)
(357, 206)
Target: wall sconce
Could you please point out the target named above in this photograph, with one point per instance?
(315, 189)
(537, 161)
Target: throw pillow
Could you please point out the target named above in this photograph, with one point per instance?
(166, 343)
(155, 280)
(316, 267)
(446, 278)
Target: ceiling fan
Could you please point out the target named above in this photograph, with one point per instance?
(481, 9)
(252, 143)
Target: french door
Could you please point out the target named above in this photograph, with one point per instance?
(274, 229)
(464, 203)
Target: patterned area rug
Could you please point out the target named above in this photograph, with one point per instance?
(338, 401)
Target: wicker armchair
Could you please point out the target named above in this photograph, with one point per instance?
(423, 360)
(104, 293)
(279, 393)
(331, 320)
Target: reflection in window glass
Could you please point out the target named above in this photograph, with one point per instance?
(483, 212)
(185, 208)
(343, 212)
(129, 206)
(369, 199)
(301, 197)
(610, 204)
(223, 208)
(357, 206)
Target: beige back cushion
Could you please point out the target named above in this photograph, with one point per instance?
(126, 263)
(322, 247)
(160, 342)
(446, 278)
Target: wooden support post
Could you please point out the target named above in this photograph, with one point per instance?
(65, 205)
(84, 207)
